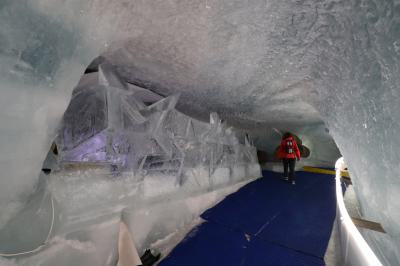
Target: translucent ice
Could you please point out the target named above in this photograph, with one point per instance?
(292, 65)
(106, 123)
(108, 165)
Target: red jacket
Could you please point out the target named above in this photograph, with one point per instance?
(282, 153)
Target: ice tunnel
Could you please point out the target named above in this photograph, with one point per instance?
(152, 112)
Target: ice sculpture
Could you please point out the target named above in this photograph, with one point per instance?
(126, 151)
(107, 123)
(285, 64)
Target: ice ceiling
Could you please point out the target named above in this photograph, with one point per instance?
(292, 65)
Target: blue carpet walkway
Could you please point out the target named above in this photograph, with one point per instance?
(267, 222)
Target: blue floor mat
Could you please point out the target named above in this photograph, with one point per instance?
(307, 223)
(250, 207)
(257, 203)
(209, 244)
(214, 245)
(260, 253)
(267, 222)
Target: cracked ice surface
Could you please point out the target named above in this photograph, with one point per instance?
(283, 64)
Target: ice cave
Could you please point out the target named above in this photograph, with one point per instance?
(133, 127)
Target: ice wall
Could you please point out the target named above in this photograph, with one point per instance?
(40, 62)
(124, 153)
(264, 62)
(358, 85)
(323, 150)
(45, 47)
(110, 123)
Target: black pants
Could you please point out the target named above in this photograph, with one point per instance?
(289, 163)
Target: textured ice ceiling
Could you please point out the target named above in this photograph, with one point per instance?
(260, 64)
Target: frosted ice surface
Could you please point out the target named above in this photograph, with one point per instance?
(108, 124)
(118, 157)
(286, 64)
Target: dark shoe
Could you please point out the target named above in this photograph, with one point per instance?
(150, 259)
(146, 254)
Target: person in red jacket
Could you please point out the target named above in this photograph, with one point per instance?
(288, 152)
